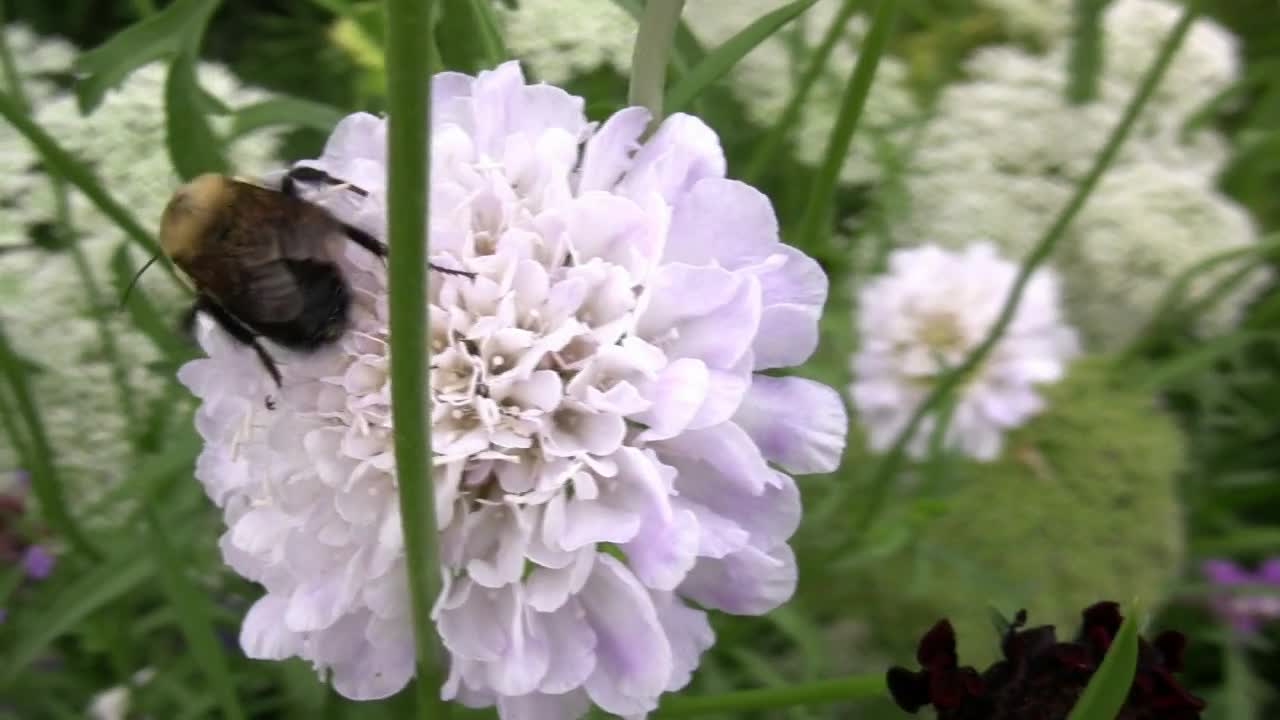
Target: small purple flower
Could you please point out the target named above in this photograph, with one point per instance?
(37, 562)
(1245, 610)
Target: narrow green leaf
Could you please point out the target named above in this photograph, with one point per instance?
(762, 158)
(60, 162)
(119, 575)
(817, 212)
(39, 461)
(1084, 62)
(721, 60)
(468, 38)
(285, 111)
(193, 146)
(150, 39)
(1107, 689)
(409, 64)
(763, 671)
(1199, 359)
(193, 615)
(146, 317)
(853, 687)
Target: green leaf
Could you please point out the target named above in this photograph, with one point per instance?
(1109, 686)
(721, 60)
(193, 615)
(762, 158)
(119, 575)
(193, 146)
(286, 111)
(821, 692)
(468, 38)
(160, 35)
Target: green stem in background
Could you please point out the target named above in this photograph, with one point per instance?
(44, 475)
(654, 38)
(854, 687)
(1084, 63)
(143, 8)
(60, 162)
(888, 467)
(817, 212)
(409, 25)
(762, 159)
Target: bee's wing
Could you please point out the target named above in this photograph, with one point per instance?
(266, 294)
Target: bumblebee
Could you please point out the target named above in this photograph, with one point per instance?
(263, 260)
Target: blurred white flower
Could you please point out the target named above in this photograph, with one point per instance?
(600, 35)
(602, 440)
(603, 35)
(114, 703)
(43, 301)
(766, 77)
(1006, 150)
(925, 316)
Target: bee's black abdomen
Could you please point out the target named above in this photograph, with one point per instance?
(325, 301)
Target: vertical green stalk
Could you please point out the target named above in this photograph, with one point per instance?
(654, 39)
(817, 212)
(1084, 63)
(409, 54)
(889, 465)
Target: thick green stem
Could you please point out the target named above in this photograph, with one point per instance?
(854, 687)
(408, 137)
(654, 39)
(817, 212)
(892, 461)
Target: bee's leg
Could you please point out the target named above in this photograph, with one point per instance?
(289, 186)
(237, 331)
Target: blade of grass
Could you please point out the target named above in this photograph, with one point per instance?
(194, 148)
(817, 211)
(762, 158)
(61, 163)
(468, 38)
(888, 466)
(290, 111)
(654, 39)
(93, 590)
(193, 615)
(721, 60)
(853, 687)
(409, 70)
(39, 462)
(1107, 689)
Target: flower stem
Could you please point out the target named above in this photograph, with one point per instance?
(889, 465)
(853, 687)
(408, 138)
(816, 213)
(654, 39)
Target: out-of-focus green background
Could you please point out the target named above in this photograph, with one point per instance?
(1161, 450)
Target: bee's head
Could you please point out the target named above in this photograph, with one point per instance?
(192, 212)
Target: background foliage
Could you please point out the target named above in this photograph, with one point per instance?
(143, 589)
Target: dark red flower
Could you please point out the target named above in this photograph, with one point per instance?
(1040, 677)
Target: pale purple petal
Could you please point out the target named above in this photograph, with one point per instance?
(633, 656)
(797, 423)
(748, 582)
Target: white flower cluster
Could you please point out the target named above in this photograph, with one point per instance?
(602, 34)
(123, 141)
(924, 317)
(606, 451)
(1006, 150)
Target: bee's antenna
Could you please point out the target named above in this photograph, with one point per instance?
(137, 276)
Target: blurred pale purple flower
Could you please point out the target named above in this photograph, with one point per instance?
(924, 316)
(1245, 610)
(606, 450)
(37, 562)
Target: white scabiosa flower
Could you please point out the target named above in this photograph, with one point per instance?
(605, 450)
(925, 316)
(602, 35)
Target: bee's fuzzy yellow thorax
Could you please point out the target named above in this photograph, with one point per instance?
(191, 211)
